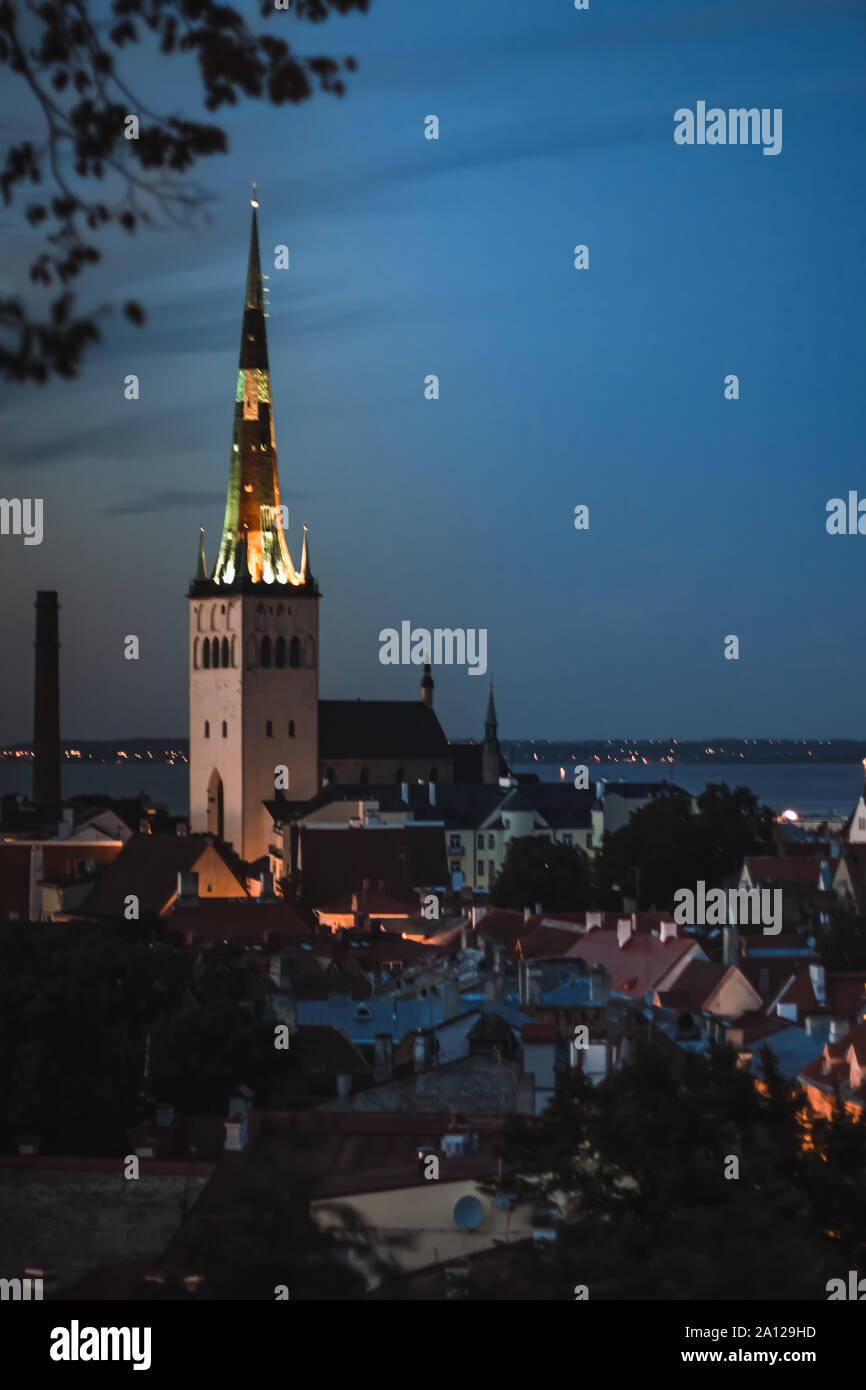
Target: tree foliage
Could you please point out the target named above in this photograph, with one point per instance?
(71, 62)
(637, 1167)
(539, 871)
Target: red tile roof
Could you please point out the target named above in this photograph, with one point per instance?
(643, 964)
(236, 919)
(765, 869)
(147, 867)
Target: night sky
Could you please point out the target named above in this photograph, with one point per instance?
(558, 387)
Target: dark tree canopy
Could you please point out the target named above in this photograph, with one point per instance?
(673, 847)
(651, 1204)
(539, 871)
(73, 63)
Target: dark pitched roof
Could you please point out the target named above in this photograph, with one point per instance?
(147, 867)
(237, 919)
(397, 860)
(323, 1049)
(379, 729)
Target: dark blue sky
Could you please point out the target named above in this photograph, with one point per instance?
(558, 387)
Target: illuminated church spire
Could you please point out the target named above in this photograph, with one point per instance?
(253, 517)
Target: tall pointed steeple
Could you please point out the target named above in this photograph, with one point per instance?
(491, 756)
(253, 498)
(491, 723)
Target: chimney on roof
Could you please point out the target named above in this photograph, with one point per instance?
(237, 1131)
(431, 793)
(527, 913)
(354, 902)
(730, 946)
(187, 888)
(599, 985)
(423, 1049)
(383, 1057)
(344, 1083)
(181, 828)
(838, 1029)
(46, 702)
(538, 909)
(497, 957)
(593, 919)
(144, 826)
(66, 823)
(818, 981)
(28, 1145)
(623, 931)
(404, 792)
(667, 931)
(266, 887)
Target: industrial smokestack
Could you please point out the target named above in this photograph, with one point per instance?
(46, 702)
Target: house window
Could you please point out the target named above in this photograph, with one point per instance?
(566, 839)
(225, 729)
(207, 728)
(491, 841)
(481, 868)
(291, 728)
(269, 729)
(455, 842)
(861, 823)
(480, 841)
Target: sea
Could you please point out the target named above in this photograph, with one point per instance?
(810, 789)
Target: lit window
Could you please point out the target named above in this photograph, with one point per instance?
(491, 841)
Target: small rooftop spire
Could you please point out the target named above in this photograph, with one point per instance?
(201, 572)
(254, 200)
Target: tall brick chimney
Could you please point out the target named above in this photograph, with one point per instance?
(46, 702)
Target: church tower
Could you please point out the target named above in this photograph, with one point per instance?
(253, 628)
(491, 753)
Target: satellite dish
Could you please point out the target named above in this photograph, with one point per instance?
(468, 1212)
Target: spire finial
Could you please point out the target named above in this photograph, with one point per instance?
(254, 200)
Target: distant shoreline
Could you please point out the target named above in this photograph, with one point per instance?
(665, 754)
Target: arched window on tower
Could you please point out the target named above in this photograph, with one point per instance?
(215, 805)
(269, 728)
(226, 658)
(291, 728)
(266, 651)
(215, 653)
(308, 652)
(205, 653)
(294, 653)
(252, 653)
(280, 652)
(207, 728)
(225, 729)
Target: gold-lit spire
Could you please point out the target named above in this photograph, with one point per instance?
(253, 498)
